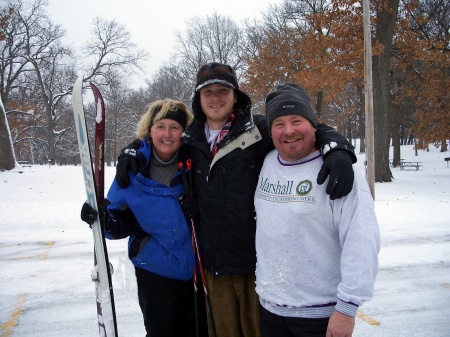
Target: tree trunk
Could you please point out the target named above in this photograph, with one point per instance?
(362, 121)
(7, 156)
(382, 102)
(395, 137)
(319, 103)
(444, 146)
(51, 137)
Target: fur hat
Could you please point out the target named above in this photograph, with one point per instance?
(216, 73)
(289, 99)
(222, 74)
(163, 109)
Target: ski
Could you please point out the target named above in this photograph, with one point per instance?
(94, 184)
(99, 144)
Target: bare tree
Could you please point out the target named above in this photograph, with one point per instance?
(7, 157)
(111, 53)
(36, 71)
(52, 66)
(120, 119)
(217, 38)
(111, 57)
(167, 83)
(12, 61)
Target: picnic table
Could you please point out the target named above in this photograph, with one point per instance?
(447, 159)
(24, 163)
(406, 163)
(391, 162)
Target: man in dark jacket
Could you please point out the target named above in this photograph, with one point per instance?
(228, 146)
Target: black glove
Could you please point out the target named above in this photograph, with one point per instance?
(89, 215)
(338, 165)
(189, 207)
(127, 160)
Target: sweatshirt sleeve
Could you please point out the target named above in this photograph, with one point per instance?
(359, 237)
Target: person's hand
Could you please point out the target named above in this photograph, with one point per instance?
(189, 207)
(338, 165)
(89, 214)
(127, 160)
(340, 325)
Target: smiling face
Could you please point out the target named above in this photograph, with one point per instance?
(217, 102)
(293, 137)
(166, 138)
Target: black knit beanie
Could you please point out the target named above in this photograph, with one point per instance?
(178, 115)
(218, 73)
(289, 99)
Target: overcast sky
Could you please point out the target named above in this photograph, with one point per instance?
(152, 24)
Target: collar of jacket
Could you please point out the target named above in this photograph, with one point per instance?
(244, 140)
(145, 153)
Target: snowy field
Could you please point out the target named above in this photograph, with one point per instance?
(46, 256)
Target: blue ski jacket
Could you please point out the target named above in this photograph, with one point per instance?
(160, 239)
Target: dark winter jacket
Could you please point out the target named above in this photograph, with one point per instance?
(225, 186)
(149, 213)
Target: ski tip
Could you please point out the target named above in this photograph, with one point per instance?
(79, 79)
(93, 86)
(78, 85)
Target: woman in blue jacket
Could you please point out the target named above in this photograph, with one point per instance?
(148, 212)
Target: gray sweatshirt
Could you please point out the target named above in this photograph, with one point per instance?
(314, 255)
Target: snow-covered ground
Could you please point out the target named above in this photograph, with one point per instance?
(46, 255)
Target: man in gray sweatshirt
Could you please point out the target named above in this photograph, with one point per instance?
(317, 258)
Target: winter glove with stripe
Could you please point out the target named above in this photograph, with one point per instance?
(128, 160)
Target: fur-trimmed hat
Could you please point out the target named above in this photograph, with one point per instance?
(216, 73)
(289, 99)
(222, 74)
(163, 109)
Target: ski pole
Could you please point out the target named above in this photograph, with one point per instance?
(185, 183)
(205, 290)
(195, 293)
(195, 237)
(188, 191)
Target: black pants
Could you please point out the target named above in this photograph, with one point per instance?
(278, 326)
(167, 306)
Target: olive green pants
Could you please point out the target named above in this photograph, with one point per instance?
(234, 305)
